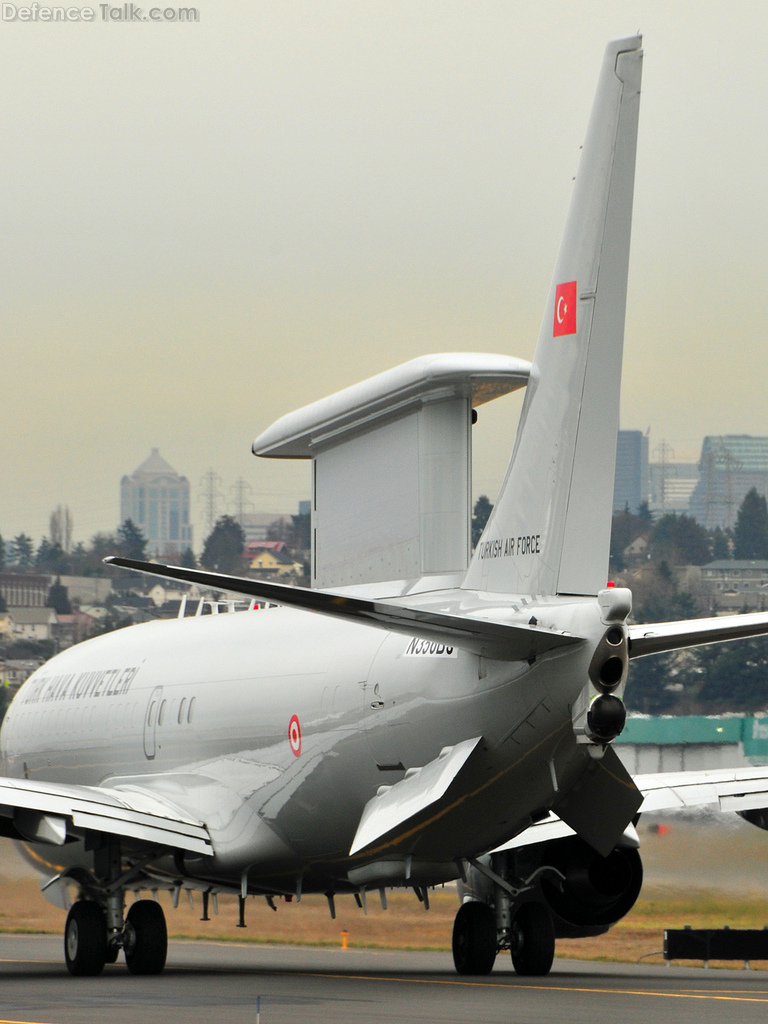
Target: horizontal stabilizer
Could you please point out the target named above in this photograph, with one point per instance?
(655, 637)
(394, 807)
(505, 641)
(53, 812)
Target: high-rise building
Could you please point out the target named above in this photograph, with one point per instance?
(730, 465)
(156, 498)
(630, 487)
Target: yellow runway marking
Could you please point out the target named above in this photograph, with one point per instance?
(693, 994)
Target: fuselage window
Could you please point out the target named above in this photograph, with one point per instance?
(191, 709)
(182, 708)
(161, 714)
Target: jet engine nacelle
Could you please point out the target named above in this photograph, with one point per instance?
(595, 892)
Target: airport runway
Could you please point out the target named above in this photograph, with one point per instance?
(220, 983)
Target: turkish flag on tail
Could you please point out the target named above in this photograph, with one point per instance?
(565, 309)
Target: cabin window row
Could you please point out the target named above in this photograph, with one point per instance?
(166, 715)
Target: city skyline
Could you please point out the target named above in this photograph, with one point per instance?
(238, 495)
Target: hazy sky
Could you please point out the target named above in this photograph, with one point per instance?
(208, 225)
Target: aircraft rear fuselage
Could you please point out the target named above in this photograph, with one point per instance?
(281, 707)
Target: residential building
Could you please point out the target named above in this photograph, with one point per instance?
(156, 498)
(271, 558)
(33, 623)
(733, 583)
(15, 671)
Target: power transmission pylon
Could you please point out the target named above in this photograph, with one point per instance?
(210, 497)
(240, 502)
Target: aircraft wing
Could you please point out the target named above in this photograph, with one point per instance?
(655, 637)
(721, 789)
(505, 641)
(50, 812)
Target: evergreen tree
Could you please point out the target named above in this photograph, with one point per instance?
(720, 548)
(223, 549)
(132, 542)
(188, 560)
(644, 514)
(680, 540)
(51, 558)
(102, 545)
(58, 598)
(2, 553)
(735, 677)
(23, 551)
(480, 514)
(750, 536)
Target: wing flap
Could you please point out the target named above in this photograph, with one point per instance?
(505, 641)
(110, 811)
(394, 806)
(656, 637)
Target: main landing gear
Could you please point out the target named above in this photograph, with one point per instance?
(476, 939)
(97, 929)
(144, 939)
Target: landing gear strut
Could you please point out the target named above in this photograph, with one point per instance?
(501, 911)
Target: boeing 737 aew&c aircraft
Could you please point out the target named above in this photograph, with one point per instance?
(420, 714)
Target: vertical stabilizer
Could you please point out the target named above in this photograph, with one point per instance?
(549, 532)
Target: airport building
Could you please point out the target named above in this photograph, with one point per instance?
(156, 498)
(678, 743)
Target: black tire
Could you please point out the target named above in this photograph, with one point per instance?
(85, 939)
(474, 939)
(112, 954)
(146, 945)
(533, 940)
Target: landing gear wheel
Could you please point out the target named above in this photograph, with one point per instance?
(146, 945)
(474, 939)
(85, 939)
(112, 954)
(533, 940)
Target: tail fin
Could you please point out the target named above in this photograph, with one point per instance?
(549, 532)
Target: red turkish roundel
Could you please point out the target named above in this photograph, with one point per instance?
(565, 309)
(294, 735)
